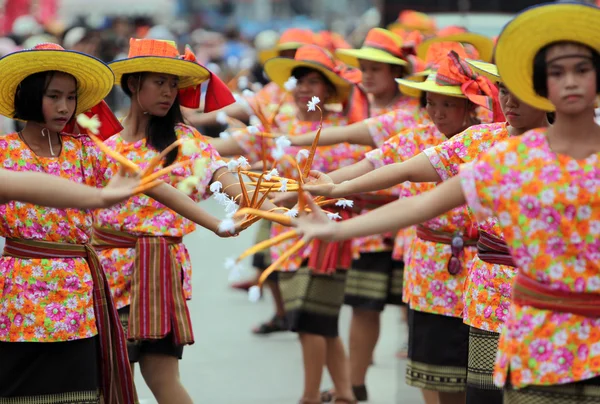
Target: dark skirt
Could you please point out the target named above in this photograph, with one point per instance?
(313, 301)
(137, 349)
(374, 280)
(50, 373)
(438, 350)
(262, 259)
(582, 392)
(483, 347)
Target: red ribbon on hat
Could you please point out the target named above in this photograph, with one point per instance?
(217, 95)
(109, 123)
(357, 104)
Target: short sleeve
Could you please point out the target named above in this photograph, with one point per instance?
(401, 147)
(98, 167)
(383, 127)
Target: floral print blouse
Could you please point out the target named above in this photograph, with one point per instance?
(142, 215)
(548, 207)
(49, 300)
(488, 286)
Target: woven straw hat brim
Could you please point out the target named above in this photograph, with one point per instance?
(414, 88)
(483, 44)
(532, 30)
(279, 71)
(94, 78)
(488, 70)
(351, 56)
(189, 73)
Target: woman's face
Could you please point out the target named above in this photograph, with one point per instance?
(449, 114)
(157, 93)
(59, 101)
(571, 78)
(311, 84)
(518, 114)
(378, 78)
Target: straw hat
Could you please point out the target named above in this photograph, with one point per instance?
(157, 56)
(292, 38)
(380, 45)
(94, 78)
(414, 88)
(535, 28)
(410, 20)
(481, 43)
(280, 69)
(488, 70)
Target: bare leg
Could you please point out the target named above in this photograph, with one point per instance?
(338, 367)
(453, 398)
(364, 333)
(277, 299)
(314, 352)
(430, 396)
(161, 373)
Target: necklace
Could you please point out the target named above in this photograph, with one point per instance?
(45, 133)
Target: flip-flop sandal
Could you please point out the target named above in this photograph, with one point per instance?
(360, 392)
(276, 324)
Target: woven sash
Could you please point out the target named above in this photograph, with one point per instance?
(117, 381)
(529, 292)
(327, 257)
(158, 304)
(441, 237)
(493, 250)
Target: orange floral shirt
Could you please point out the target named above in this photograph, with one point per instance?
(428, 285)
(327, 158)
(548, 207)
(49, 300)
(142, 215)
(488, 286)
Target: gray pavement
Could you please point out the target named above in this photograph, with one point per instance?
(228, 364)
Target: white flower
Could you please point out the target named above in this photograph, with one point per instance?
(248, 93)
(290, 84)
(243, 162)
(292, 213)
(253, 130)
(232, 165)
(224, 135)
(221, 198)
(222, 117)
(284, 182)
(312, 104)
(302, 155)
(278, 153)
(345, 203)
(227, 225)
(255, 121)
(271, 174)
(282, 142)
(334, 216)
(92, 124)
(254, 294)
(234, 274)
(216, 186)
(189, 148)
(230, 263)
(243, 82)
(231, 207)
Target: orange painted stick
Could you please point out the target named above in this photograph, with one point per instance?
(244, 190)
(313, 147)
(295, 248)
(165, 171)
(268, 243)
(107, 150)
(158, 158)
(145, 187)
(274, 217)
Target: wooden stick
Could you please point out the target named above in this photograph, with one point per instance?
(274, 217)
(165, 171)
(295, 248)
(268, 243)
(107, 150)
(313, 148)
(157, 159)
(144, 187)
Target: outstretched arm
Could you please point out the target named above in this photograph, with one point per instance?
(361, 177)
(196, 118)
(357, 133)
(227, 147)
(391, 217)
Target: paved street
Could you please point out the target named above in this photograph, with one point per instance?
(230, 365)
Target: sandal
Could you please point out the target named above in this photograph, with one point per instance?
(344, 400)
(360, 392)
(327, 396)
(276, 324)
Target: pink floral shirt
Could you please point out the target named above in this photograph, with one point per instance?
(548, 207)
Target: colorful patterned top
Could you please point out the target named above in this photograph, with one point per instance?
(49, 300)
(327, 158)
(142, 215)
(488, 286)
(270, 96)
(548, 207)
(428, 284)
(385, 126)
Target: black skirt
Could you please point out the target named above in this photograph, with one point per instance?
(483, 347)
(374, 280)
(313, 301)
(582, 392)
(438, 350)
(50, 373)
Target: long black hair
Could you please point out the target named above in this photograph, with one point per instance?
(160, 132)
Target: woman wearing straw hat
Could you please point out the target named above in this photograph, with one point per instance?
(158, 79)
(60, 339)
(485, 302)
(269, 95)
(442, 370)
(548, 210)
(310, 313)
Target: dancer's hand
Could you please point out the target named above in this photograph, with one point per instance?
(120, 187)
(315, 224)
(319, 184)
